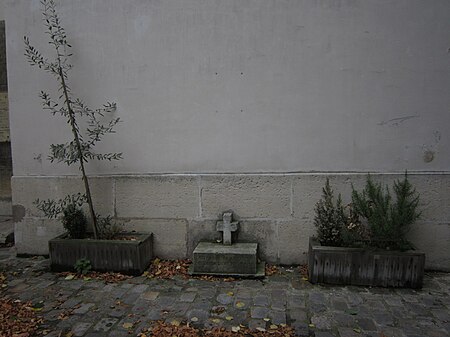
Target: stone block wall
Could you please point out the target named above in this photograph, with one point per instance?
(4, 118)
(5, 179)
(274, 210)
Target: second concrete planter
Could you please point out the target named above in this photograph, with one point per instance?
(368, 267)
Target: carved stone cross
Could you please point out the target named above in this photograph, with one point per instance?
(226, 226)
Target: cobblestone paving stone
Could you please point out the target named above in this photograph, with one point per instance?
(93, 308)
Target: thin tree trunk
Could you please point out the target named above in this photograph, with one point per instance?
(80, 154)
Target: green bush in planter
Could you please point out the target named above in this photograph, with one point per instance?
(374, 218)
(387, 221)
(330, 219)
(74, 221)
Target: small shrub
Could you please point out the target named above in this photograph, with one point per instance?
(108, 228)
(354, 234)
(388, 222)
(82, 266)
(74, 221)
(330, 219)
(405, 211)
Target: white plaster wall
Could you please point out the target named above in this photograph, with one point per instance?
(245, 85)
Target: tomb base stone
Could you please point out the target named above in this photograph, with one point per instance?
(239, 259)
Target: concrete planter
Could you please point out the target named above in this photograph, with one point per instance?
(358, 266)
(124, 256)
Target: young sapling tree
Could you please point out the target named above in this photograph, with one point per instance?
(85, 124)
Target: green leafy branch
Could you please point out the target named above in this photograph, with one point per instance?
(81, 148)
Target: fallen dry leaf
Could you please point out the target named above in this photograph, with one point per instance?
(272, 270)
(218, 310)
(105, 277)
(162, 329)
(303, 271)
(17, 318)
(240, 304)
(168, 269)
(64, 315)
(127, 325)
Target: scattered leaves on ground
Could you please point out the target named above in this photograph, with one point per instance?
(18, 319)
(303, 271)
(105, 277)
(162, 329)
(168, 269)
(64, 315)
(214, 278)
(240, 304)
(272, 270)
(127, 325)
(3, 283)
(218, 310)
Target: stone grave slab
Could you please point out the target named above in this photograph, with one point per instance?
(239, 259)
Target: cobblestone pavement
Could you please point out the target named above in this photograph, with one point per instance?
(93, 308)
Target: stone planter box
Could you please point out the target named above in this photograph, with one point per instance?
(358, 266)
(124, 256)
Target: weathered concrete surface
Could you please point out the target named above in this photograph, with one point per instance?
(157, 197)
(293, 239)
(433, 239)
(244, 87)
(5, 207)
(28, 189)
(217, 258)
(180, 210)
(169, 235)
(31, 235)
(6, 228)
(201, 230)
(4, 114)
(265, 233)
(249, 196)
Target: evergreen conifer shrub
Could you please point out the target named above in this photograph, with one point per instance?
(74, 221)
(388, 221)
(330, 219)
